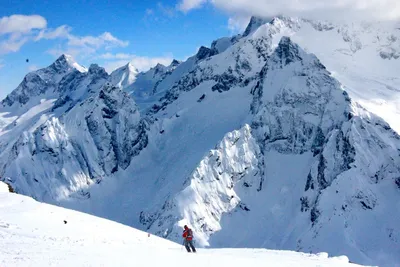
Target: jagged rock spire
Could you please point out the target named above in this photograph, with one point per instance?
(254, 23)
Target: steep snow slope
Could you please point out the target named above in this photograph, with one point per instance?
(364, 57)
(74, 133)
(145, 87)
(328, 168)
(94, 139)
(63, 81)
(36, 234)
(323, 163)
(153, 84)
(61, 85)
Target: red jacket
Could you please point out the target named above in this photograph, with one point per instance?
(187, 234)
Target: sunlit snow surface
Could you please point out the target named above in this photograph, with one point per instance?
(364, 57)
(35, 234)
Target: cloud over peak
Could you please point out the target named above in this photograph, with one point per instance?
(313, 9)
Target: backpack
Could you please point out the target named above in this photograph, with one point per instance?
(189, 234)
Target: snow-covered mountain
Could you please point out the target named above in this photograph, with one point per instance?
(37, 234)
(75, 132)
(364, 57)
(269, 130)
(143, 85)
(124, 76)
(43, 81)
(311, 165)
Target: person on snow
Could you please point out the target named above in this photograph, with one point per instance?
(188, 239)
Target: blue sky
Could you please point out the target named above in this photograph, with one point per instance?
(146, 32)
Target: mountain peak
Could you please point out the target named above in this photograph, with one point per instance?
(124, 76)
(203, 53)
(128, 68)
(254, 24)
(96, 69)
(66, 62)
(62, 62)
(131, 68)
(65, 58)
(159, 66)
(175, 63)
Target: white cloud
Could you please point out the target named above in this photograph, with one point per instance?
(115, 61)
(104, 40)
(13, 43)
(237, 24)
(77, 45)
(21, 24)
(187, 5)
(50, 34)
(316, 9)
(116, 56)
(16, 30)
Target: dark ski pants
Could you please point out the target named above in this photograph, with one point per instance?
(188, 245)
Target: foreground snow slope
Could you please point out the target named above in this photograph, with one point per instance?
(35, 234)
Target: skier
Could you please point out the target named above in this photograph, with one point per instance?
(188, 239)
